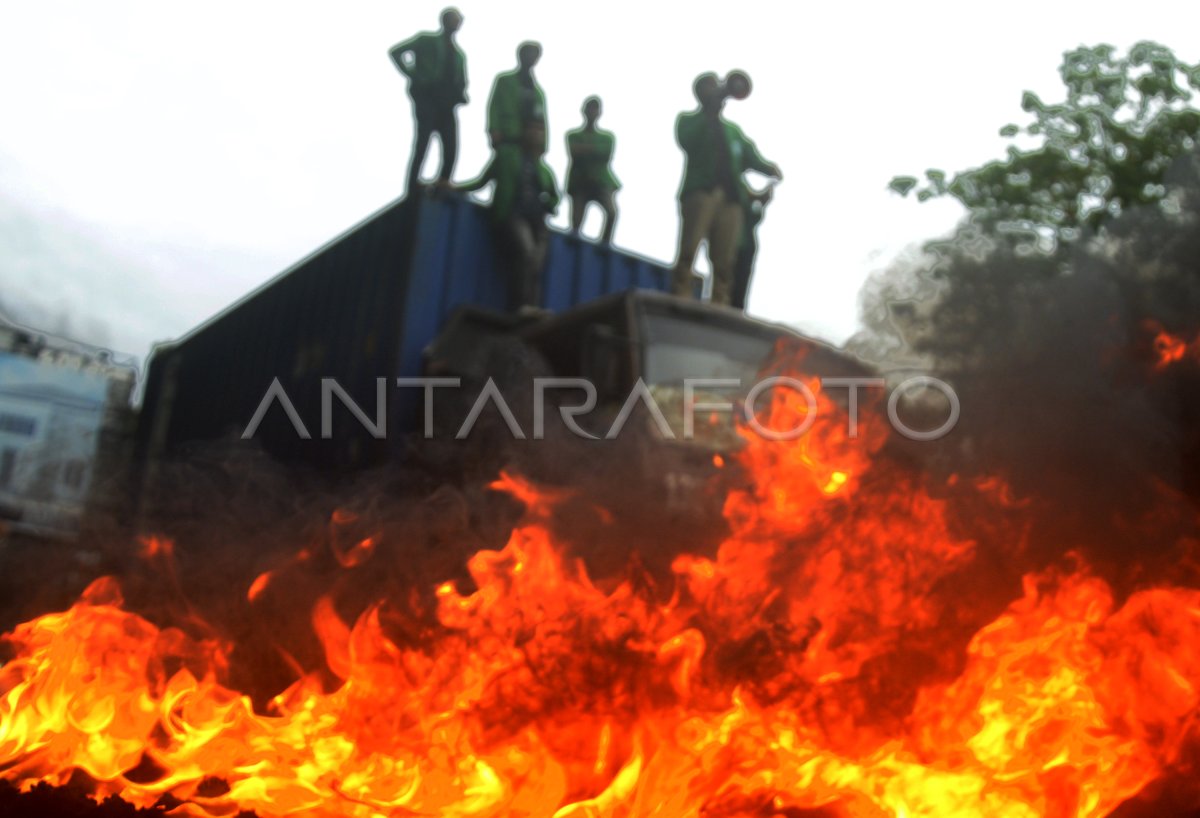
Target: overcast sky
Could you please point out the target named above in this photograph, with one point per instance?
(160, 159)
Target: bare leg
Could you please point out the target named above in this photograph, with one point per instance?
(578, 209)
(609, 206)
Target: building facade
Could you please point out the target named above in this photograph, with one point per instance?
(64, 417)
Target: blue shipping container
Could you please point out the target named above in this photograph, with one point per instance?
(362, 307)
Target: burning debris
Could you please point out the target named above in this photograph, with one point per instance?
(999, 623)
(864, 641)
(859, 617)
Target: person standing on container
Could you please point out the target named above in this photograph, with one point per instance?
(516, 100)
(590, 177)
(712, 197)
(525, 194)
(437, 83)
(743, 269)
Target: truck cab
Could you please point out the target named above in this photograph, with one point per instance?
(614, 343)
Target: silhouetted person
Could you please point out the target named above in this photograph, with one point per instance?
(743, 268)
(525, 193)
(437, 83)
(712, 196)
(590, 177)
(516, 100)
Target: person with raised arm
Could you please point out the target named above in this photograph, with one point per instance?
(525, 193)
(712, 197)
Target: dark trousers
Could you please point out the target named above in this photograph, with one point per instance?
(523, 244)
(434, 118)
(743, 269)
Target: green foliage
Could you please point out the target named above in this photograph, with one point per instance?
(1102, 150)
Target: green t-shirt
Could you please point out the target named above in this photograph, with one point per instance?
(591, 162)
(505, 170)
(694, 132)
(512, 104)
(438, 73)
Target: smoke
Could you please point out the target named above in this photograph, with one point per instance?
(1054, 366)
(230, 543)
(108, 286)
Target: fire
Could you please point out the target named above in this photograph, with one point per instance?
(812, 663)
(1169, 349)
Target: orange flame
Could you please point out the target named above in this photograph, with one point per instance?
(1170, 349)
(754, 685)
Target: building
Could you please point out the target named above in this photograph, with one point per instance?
(65, 422)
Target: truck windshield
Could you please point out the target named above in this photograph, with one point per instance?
(681, 347)
(678, 347)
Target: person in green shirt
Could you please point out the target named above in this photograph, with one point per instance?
(437, 83)
(712, 197)
(517, 99)
(525, 193)
(590, 177)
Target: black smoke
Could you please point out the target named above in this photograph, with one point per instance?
(1054, 363)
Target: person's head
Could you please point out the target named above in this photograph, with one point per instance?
(452, 20)
(528, 54)
(591, 110)
(708, 91)
(533, 139)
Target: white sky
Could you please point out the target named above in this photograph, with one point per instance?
(188, 152)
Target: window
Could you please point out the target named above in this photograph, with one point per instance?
(679, 348)
(18, 424)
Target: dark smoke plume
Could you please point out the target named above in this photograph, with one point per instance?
(1056, 371)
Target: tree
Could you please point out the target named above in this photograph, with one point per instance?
(1102, 150)
(1042, 310)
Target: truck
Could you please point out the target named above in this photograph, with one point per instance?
(415, 290)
